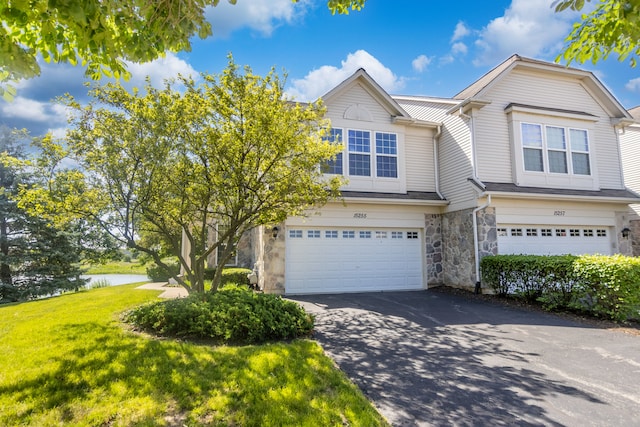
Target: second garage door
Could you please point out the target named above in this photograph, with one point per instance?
(333, 260)
(553, 240)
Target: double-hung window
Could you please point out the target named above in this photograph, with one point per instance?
(386, 155)
(580, 152)
(532, 147)
(368, 156)
(557, 149)
(359, 153)
(554, 149)
(334, 166)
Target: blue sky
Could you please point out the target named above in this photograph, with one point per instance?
(432, 48)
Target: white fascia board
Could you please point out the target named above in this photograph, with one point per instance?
(396, 201)
(577, 198)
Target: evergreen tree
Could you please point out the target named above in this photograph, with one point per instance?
(36, 259)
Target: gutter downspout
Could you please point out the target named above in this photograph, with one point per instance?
(436, 160)
(476, 244)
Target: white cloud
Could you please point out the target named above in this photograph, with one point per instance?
(447, 59)
(159, 70)
(528, 27)
(633, 85)
(22, 108)
(319, 81)
(460, 31)
(421, 63)
(262, 16)
(459, 48)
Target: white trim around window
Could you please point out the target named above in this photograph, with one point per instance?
(554, 152)
(555, 149)
(371, 156)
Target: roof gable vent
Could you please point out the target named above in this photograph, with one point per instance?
(358, 112)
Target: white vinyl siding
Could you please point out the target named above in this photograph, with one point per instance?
(630, 153)
(494, 151)
(419, 164)
(355, 110)
(455, 164)
(454, 150)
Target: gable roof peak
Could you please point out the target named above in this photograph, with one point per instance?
(603, 96)
(372, 87)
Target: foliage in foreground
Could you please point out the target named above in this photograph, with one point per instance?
(612, 26)
(36, 258)
(78, 366)
(233, 315)
(101, 34)
(192, 166)
(604, 286)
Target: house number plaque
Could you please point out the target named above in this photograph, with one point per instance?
(360, 215)
(558, 213)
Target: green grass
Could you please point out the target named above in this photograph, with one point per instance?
(116, 267)
(69, 361)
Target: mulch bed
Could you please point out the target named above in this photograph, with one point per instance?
(632, 328)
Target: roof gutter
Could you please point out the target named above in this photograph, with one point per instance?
(385, 201)
(569, 197)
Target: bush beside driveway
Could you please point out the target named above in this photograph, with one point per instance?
(432, 358)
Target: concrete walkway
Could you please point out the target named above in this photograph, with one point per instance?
(170, 291)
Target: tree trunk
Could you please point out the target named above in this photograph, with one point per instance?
(5, 269)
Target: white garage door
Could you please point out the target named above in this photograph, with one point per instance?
(553, 240)
(333, 260)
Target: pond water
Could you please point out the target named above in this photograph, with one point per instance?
(115, 279)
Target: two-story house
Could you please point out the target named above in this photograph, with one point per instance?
(524, 160)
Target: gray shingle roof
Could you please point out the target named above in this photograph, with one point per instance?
(500, 187)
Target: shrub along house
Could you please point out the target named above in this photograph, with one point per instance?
(524, 160)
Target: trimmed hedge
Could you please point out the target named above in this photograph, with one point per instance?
(604, 286)
(233, 315)
(230, 276)
(157, 274)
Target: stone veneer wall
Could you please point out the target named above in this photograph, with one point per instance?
(245, 250)
(457, 240)
(433, 249)
(487, 233)
(634, 226)
(624, 246)
(272, 278)
(458, 252)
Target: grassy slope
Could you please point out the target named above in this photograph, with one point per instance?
(116, 267)
(68, 361)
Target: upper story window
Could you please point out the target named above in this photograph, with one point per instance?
(369, 154)
(386, 155)
(359, 153)
(334, 166)
(555, 149)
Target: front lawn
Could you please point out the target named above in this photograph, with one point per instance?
(69, 361)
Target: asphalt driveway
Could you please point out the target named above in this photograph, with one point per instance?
(431, 358)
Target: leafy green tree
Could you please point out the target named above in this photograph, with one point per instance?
(35, 258)
(158, 167)
(612, 27)
(101, 34)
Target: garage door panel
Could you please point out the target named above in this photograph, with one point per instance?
(367, 261)
(553, 240)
